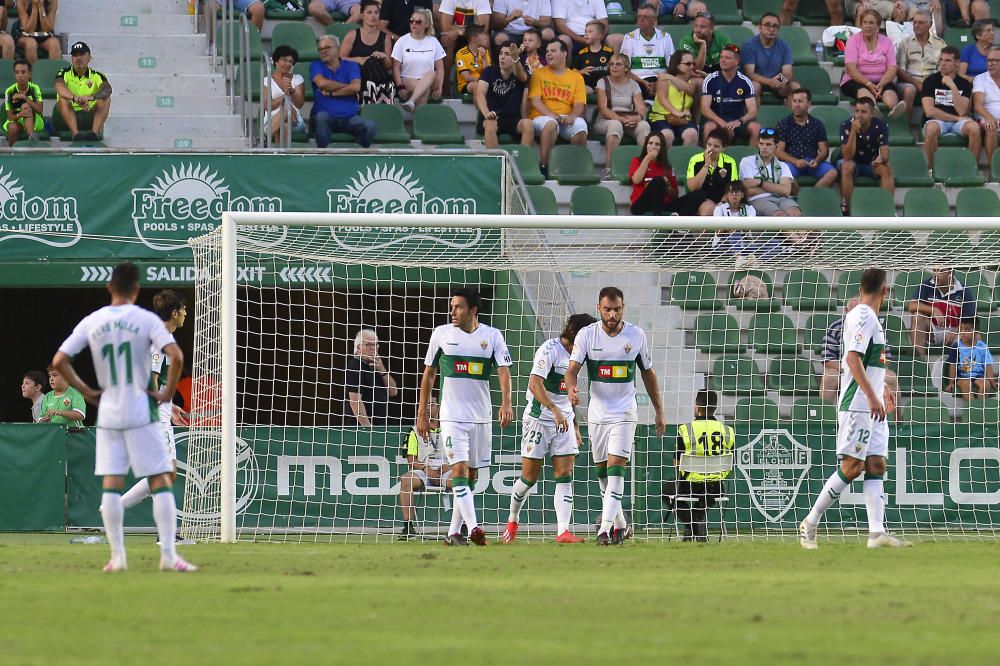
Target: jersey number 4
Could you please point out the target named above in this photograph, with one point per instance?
(124, 349)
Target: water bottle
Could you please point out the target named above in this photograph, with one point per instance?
(93, 539)
(191, 8)
(819, 50)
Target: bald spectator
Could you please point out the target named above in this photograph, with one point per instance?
(705, 43)
(369, 384)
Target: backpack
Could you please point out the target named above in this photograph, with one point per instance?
(377, 86)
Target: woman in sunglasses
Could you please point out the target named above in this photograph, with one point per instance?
(673, 107)
(418, 62)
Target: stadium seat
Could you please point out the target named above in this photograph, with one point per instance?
(527, 163)
(739, 152)
(773, 333)
(893, 246)
(300, 36)
(899, 130)
(771, 115)
(768, 304)
(694, 290)
(831, 117)
(736, 375)
(914, 376)
(904, 287)
(958, 37)
(849, 248)
(436, 124)
(626, 19)
(726, 13)
(872, 202)
(897, 336)
(679, 158)
(815, 330)
(995, 160)
(621, 160)
(592, 200)
(927, 411)
(302, 69)
(801, 45)
(249, 74)
(756, 412)
(278, 12)
(806, 289)
(572, 165)
(814, 411)
(813, 12)
(952, 247)
(7, 73)
(256, 48)
(738, 33)
(678, 31)
(817, 80)
(819, 202)
(989, 330)
(848, 285)
(389, 120)
(792, 375)
(754, 9)
(43, 72)
(909, 167)
(982, 412)
(982, 286)
(925, 203)
(956, 167)
(977, 202)
(717, 333)
(543, 199)
(60, 129)
(340, 30)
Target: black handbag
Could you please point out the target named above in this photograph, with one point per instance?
(377, 86)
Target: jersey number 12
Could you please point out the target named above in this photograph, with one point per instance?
(124, 349)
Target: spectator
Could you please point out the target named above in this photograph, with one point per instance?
(974, 55)
(917, 58)
(986, 101)
(63, 405)
(395, 15)
(502, 99)
(472, 59)
(254, 9)
(829, 386)
(620, 108)
(964, 13)
(513, 18)
(428, 468)
(558, 98)
(733, 205)
(835, 8)
(83, 95)
(886, 10)
(727, 99)
(320, 10)
(335, 85)
(36, 29)
(940, 303)
(370, 47)
(767, 60)
(654, 185)
(571, 19)
(6, 41)
(592, 60)
(673, 107)
(864, 151)
(803, 143)
(23, 106)
(947, 102)
(369, 384)
(531, 57)
(934, 12)
(969, 364)
(870, 66)
(418, 62)
(33, 389)
(454, 16)
(705, 43)
(648, 49)
(682, 10)
(768, 180)
(284, 92)
(712, 170)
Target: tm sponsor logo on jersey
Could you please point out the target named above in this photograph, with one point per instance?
(468, 368)
(190, 199)
(612, 371)
(53, 221)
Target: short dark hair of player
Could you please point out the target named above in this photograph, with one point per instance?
(38, 377)
(575, 324)
(867, 101)
(125, 278)
(708, 400)
(803, 91)
(22, 61)
(473, 30)
(167, 302)
(872, 280)
(720, 134)
(284, 51)
(614, 293)
(470, 295)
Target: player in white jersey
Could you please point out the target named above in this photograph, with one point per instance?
(465, 352)
(612, 350)
(549, 427)
(862, 431)
(648, 50)
(128, 432)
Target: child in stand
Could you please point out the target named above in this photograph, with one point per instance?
(532, 57)
(969, 364)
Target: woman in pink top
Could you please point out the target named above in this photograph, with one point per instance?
(870, 65)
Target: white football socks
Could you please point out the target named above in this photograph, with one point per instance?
(563, 501)
(832, 489)
(465, 504)
(136, 494)
(612, 502)
(619, 522)
(521, 488)
(114, 515)
(165, 515)
(874, 503)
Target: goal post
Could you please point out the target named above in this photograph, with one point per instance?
(739, 306)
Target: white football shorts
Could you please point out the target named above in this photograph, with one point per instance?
(470, 443)
(614, 439)
(541, 438)
(141, 449)
(860, 436)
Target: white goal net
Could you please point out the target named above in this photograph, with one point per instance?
(299, 433)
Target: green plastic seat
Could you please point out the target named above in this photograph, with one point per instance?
(340, 30)
(831, 117)
(436, 124)
(679, 158)
(757, 305)
(904, 287)
(60, 129)
(526, 159)
(914, 376)
(389, 121)
(771, 115)
(43, 72)
(813, 12)
(925, 203)
(249, 74)
(848, 285)
(819, 202)
(872, 202)
(792, 375)
(995, 161)
(894, 246)
(983, 288)
(803, 52)
(846, 248)
(717, 333)
(899, 131)
(927, 411)
(817, 80)
(815, 329)
(739, 152)
(624, 19)
(807, 289)
(694, 290)
(736, 375)
(278, 13)
(302, 69)
(543, 199)
(958, 37)
(253, 35)
(300, 36)
(592, 200)
(725, 12)
(738, 34)
(621, 160)
(814, 411)
(956, 167)
(897, 336)
(980, 412)
(754, 9)
(756, 412)
(678, 31)
(952, 247)
(909, 167)
(773, 333)
(989, 329)
(572, 165)
(977, 202)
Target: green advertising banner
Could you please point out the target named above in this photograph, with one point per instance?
(32, 477)
(67, 218)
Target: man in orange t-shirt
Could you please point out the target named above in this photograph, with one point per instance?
(558, 98)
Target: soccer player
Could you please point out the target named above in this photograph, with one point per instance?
(612, 348)
(465, 353)
(862, 431)
(549, 426)
(120, 336)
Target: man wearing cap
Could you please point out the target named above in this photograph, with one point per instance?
(83, 95)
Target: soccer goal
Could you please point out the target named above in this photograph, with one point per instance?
(747, 308)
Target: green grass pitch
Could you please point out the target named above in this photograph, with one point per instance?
(528, 603)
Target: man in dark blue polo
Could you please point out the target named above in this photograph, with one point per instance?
(864, 151)
(335, 85)
(728, 100)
